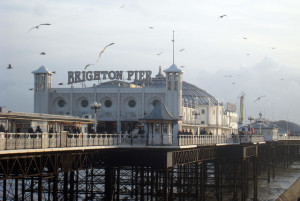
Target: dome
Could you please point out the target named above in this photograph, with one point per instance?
(42, 69)
(192, 93)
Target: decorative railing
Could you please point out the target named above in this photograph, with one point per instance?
(287, 137)
(15, 141)
(203, 139)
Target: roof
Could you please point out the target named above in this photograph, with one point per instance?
(43, 117)
(173, 68)
(42, 69)
(192, 93)
(160, 112)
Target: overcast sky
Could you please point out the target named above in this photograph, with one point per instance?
(256, 44)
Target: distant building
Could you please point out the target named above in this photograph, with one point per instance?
(126, 100)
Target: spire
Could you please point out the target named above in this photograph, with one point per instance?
(160, 75)
(173, 45)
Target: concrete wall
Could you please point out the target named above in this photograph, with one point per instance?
(291, 194)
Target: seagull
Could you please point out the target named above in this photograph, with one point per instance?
(159, 54)
(123, 6)
(88, 66)
(273, 48)
(42, 53)
(38, 26)
(259, 98)
(233, 83)
(282, 79)
(247, 54)
(9, 66)
(151, 27)
(245, 38)
(53, 72)
(31, 89)
(222, 16)
(60, 83)
(181, 66)
(103, 51)
(181, 50)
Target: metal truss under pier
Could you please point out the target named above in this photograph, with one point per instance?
(203, 173)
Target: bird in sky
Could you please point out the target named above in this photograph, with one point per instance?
(259, 98)
(151, 27)
(222, 16)
(247, 54)
(282, 79)
(31, 89)
(123, 6)
(245, 38)
(42, 53)
(181, 66)
(103, 51)
(9, 66)
(233, 83)
(273, 48)
(159, 53)
(38, 26)
(87, 66)
(53, 72)
(60, 83)
(181, 50)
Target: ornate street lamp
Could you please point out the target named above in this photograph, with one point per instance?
(196, 113)
(95, 106)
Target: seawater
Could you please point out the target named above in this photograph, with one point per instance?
(284, 178)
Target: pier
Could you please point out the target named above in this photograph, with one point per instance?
(65, 166)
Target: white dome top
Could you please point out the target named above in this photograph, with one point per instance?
(173, 69)
(42, 69)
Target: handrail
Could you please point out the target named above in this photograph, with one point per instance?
(14, 141)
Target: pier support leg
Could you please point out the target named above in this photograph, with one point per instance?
(55, 188)
(16, 189)
(4, 190)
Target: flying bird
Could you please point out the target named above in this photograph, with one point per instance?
(181, 66)
(273, 48)
(181, 50)
(103, 51)
(248, 54)
(31, 89)
(259, 98)
(151, 27)
(53, 72)
(9, 66)
(38, 26)
(60, 83)
(245, 38)
(123, 6)
(222, 16)
(42, 53)
(88, 66)
(233, 83)
(159, 54)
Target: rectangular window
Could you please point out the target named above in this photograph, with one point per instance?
(165, 129)
(202, 122)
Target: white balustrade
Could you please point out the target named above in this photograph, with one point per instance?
(14, 141)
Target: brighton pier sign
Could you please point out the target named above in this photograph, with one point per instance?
(82, 76)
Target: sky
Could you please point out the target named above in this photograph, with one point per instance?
(254, 49)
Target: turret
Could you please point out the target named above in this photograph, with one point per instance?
(174, 89)
(42, 84)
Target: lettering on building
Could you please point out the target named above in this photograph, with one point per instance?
(82, 76)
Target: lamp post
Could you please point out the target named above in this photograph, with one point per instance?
(95, 106)
(196, 113)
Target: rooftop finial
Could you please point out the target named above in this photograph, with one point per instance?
(173, 46)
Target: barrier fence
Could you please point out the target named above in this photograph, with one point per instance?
(14, 141)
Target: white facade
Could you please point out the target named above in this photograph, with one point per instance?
(124, 103)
